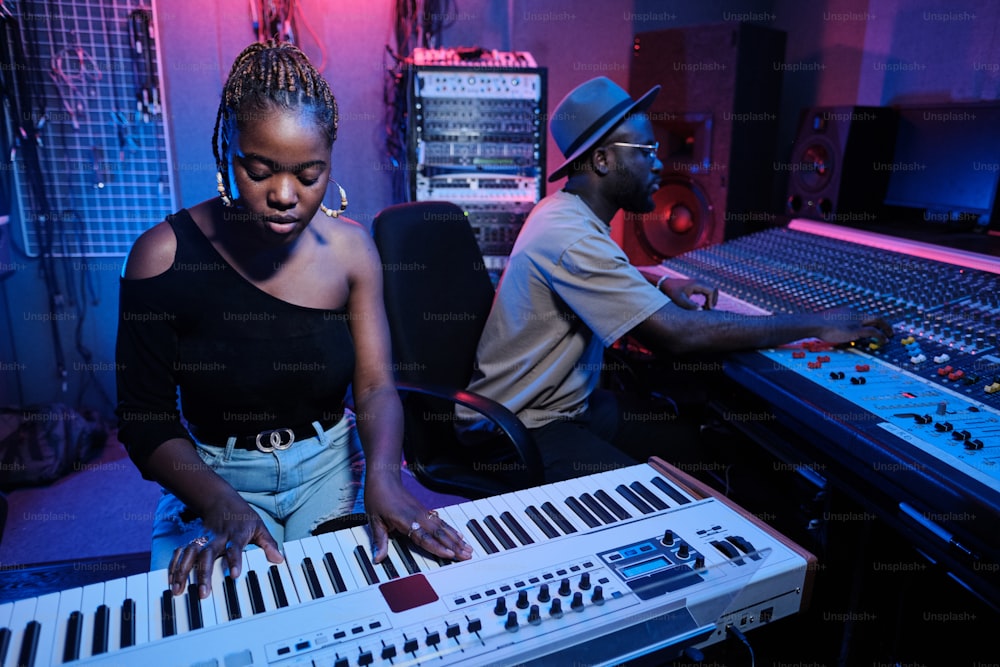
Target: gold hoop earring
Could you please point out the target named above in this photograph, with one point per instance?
(227, 201)
(343, 202)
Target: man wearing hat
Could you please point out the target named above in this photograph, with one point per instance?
(569, 291)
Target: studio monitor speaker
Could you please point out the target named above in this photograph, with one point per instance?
(837, 170)
(716, 119)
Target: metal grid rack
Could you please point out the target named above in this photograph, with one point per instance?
(104, 154)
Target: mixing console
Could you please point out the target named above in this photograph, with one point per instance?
(911, 427)
(947, 316)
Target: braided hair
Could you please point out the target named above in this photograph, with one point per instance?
(264, 76)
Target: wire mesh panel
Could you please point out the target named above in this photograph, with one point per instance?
(89, 106)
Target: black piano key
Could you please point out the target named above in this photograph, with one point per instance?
(128, 623)
(610, 503)
(361, 555)
(256, 597)
(582, 512)
(312, 581)
(277, 588)
(540, 521)
(390, 568)
(519, 532)
(74, 630)
(497, 529)
(668, 489)
(481, 536)
(637, 502)
(232, 598)
(597, 508)
(565, 526)
(5, 635)
(102, 625)
(29, 644)
(648, 495)
(167, 622)
(408, 561)
(335, 576)
(194, 608)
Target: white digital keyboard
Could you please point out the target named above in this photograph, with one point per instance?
(593, 570)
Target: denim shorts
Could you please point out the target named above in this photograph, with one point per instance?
(293, 490)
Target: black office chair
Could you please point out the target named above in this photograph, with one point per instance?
(437, 297)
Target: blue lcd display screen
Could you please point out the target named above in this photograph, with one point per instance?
(645, 567)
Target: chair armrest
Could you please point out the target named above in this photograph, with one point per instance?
(497, 413)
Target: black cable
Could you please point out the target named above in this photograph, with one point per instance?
(20, 98)
(13, 343)
(734, 632)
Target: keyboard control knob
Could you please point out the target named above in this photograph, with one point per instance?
(577, 603)
(511, 624)
(534, 616)
(522, 599)
(556, 608)
(543, 593)
(501, 606)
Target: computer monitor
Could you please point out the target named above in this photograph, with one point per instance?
(947, 163)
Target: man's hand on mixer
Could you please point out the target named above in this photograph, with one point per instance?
(680, 291)
(843, 325)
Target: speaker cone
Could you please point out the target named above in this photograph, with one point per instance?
(681, 221)
(814, 166)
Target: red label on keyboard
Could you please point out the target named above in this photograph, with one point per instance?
(408, 592)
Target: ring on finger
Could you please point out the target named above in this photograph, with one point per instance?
(413, 526)
(432, 513)
(199, 541)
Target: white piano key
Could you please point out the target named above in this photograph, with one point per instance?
(396, 551)
(218, 596)
(254, 560)
(156, 583)
(313, 549)
(293, 560)
(114, 597)
(347, 543)
(502, 505)
(459, 516)
(92, 597)
(483, 509)
(556, 495)
(243, 589)
(47, 613)
(363, 538)
(180, 607)
(331, 545)
(22, 614)
(577, 488)
(424, 562)
(69, 602)
(137, 590)
(6, 609)
(208, 615)
(454, 517)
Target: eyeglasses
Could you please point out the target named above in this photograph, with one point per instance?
(648, 149)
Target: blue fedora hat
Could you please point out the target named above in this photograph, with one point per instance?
(588, 113)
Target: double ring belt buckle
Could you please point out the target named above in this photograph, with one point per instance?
(276, 440)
